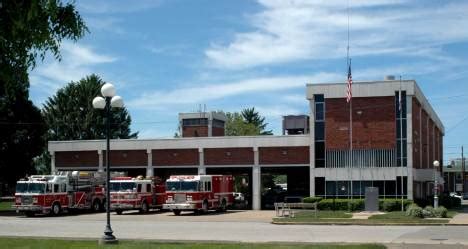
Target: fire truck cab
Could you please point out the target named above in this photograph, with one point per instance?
(53, 194)
(198, 193)
(129, 193)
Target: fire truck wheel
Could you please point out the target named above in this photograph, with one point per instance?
(29, 214)
(118, 211)
(144, 207)
(96, 205)
(223, 207)
(205, 206)
(176, 212)
(56, 209)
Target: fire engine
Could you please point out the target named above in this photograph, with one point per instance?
(53, 194)
(129, 193)
(198, 193)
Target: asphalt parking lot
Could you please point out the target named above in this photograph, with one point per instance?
(244, 226)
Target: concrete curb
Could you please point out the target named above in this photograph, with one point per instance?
(364, 224)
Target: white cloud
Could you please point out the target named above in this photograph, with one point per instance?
(202, 93)
(77, 62)
(286, 31)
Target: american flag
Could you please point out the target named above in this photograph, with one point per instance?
(349, 93)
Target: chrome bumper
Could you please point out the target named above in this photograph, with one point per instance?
(115, 206)
(180, 206)
(35, 208)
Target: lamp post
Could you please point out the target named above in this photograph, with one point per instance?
(107, 101)
(436, 187)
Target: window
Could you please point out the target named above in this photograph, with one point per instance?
(319, 131)
(195, 121)
(218, 123)
(207, 186)
(148, 188)
(139, 188)
(56, 188)
(319, 112)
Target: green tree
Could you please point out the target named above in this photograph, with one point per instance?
(29, 29)
(253, 117)
(236, 126)
(70, 115)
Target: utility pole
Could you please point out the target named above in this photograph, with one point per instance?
(463, 172)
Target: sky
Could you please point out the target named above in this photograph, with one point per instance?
(171, 56)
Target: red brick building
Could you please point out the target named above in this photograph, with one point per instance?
(398, 163)
(320, 163)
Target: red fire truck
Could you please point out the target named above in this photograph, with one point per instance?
(129, 193)
(198, 193)
(53, 194)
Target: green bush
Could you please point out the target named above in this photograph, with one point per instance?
(429, 212)
(312, 199)
(414, 210)
(341, 204)
(390, 205)
(440, 212)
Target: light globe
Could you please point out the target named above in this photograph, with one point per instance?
(117, 102)
(99, 103)
(108, 90)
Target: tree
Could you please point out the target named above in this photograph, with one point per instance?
(236, 126)
(253, 117)
(28, 29)
(70, 115)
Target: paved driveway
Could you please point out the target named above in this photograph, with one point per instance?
(245, 226)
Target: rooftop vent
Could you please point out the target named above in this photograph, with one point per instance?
(389, 77)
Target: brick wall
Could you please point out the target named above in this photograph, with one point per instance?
(424, 139)
(373, 128)
(195, 131)
(229, 156)
(77, 159)
(416, 133)
(175, 157)
(284, 155)
(431, 143)
(218, 132)
(127, 158)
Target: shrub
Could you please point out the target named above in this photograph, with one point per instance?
(440, 212)
(341, 204)
(414, 210)
(429, 212)
(312, 199)
(389, 205)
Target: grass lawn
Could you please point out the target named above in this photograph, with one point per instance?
(16, 243)
(5, 205)
(322, 214)
(330, 217)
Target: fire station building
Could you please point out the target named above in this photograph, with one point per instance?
(394, 143)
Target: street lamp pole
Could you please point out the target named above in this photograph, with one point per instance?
(109, 101)
(436, 187)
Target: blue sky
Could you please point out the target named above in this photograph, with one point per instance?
(170, 56)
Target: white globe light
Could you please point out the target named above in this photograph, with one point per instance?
(436, 163)
(108, 90)
(117, 102)
(99, 103)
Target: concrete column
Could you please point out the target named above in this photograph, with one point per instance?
(52, 162)
(312, 181)
(149, 167)
(201, 162)
(101, 161)
(312, 148)
(409, 143)
(256, 182)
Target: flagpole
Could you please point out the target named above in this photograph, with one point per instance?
(348, 61)
(401, 146)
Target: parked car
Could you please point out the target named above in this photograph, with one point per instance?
(455, 194)
(239, 197)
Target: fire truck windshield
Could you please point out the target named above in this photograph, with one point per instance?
(182, 186)
(30, 188)
(122, 186)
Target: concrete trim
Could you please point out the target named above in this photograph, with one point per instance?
(356, 174)
(182, 143)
